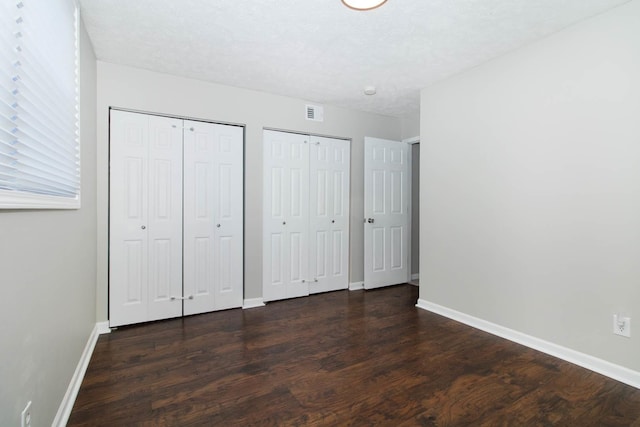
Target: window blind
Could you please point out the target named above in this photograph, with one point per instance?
(39, 107)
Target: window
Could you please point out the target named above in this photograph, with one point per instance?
(39, 104)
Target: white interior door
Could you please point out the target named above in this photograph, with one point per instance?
(145, 241)
(386, 210)
(285, 215)
(329, 214)
(213, 217)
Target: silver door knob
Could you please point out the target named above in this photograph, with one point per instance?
(284, 222)
(144, 227)
(370, 220)
(218, 225)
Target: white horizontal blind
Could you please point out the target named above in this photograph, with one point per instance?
(39, 111)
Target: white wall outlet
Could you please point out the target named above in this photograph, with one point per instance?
(622, 326)
(26, 416)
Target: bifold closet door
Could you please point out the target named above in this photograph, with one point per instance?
(285, 254)
(145, 218)
(306, 215)
(213, 217)
(329, 214)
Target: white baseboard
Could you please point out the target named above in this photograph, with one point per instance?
(611, 370)
(356, 286)
(415, 276)
(252, 303)
(64, 411)
(103, 327)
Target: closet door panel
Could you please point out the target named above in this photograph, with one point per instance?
(199, 217)
(128, 252)
(286, 215)
(229, 231)
(164, 226)
(145, 231)
(341, 151)
(213, 217)
(329, 219)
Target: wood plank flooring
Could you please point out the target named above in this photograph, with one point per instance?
(341, 358)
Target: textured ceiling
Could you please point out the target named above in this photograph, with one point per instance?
(319, 50)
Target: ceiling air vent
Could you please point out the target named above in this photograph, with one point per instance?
(314, 112)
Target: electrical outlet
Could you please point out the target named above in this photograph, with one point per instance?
(26, 416)
(622, 326)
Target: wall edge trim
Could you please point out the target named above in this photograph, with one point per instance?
(64, 410)
(103, 328)
(611, 370)
(356, 286)
(252, 303)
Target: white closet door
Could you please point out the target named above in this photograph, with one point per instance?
(213, 217)
(386, 208)
(329, 214)
(145, 242)
(286, 215)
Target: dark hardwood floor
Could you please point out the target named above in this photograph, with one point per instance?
(342, 358)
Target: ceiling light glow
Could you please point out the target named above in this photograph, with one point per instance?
(363, 4)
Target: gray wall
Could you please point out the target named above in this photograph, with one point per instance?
(530, 188)
(48, 276)
(126, 87)
(410, 126)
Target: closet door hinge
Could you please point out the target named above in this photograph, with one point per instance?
(183, 128)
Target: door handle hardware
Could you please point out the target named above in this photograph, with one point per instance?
(370, 220)
(144, 227)
(181, 298)
(333, 221)
(218, 225)
(315, 280)
(303, 281)
(284, 222)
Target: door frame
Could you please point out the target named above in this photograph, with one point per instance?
(411, 141)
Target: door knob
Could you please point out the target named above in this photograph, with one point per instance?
(370, 220)
(218, 225)
(333, 221)
(144, 227)
(284, 222)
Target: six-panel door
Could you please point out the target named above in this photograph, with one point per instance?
(329, 214)
(213, 217)
(145, 214)
(285, 215)
(386, 210)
